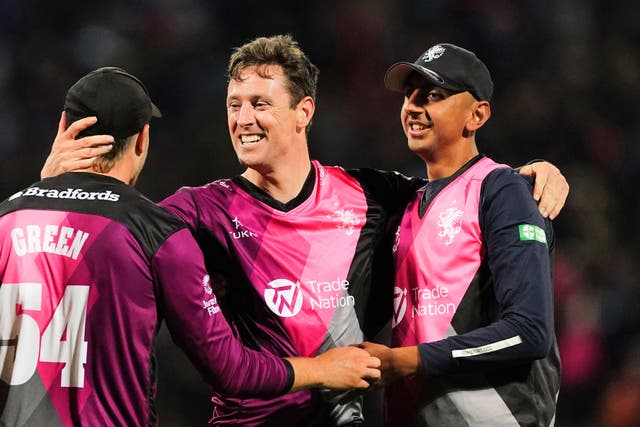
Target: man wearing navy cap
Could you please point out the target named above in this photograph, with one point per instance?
(90, 268)
(473, 330)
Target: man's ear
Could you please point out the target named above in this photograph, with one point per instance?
(142, 141)
(479, 115)
(304, 112)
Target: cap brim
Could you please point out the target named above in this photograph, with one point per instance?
(396, 77)
(155, 111)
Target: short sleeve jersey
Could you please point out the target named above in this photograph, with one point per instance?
(303, 277)
(89, 268)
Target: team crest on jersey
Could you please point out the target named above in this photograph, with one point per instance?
(347, 220)
(283, 297)
(449, 224)
(399, 305)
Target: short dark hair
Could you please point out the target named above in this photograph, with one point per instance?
(282, 50)
(105, 162)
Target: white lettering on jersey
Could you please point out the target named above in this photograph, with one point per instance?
(241, 232)
(54, 239)
(69, 193)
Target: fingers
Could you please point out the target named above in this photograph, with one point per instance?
(553, 191)
(550, 188)
(374, 362)
(78, 126)
(92, 147)
(554, 198)
(62, 124)
(368, 379)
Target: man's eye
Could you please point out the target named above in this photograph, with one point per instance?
(434, 96)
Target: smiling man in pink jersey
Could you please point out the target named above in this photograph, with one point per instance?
(302, 246)
(89, 270)
(473, 330)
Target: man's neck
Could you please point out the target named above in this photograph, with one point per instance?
(445, 163)
(118, 173)
(283, 184)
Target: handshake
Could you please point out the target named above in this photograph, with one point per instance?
(358, 367)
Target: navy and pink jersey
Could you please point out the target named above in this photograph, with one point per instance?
(300, 277)
(89, 269)
(473, 291)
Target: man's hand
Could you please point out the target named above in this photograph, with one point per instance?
(68, 154)
(341, 368)
(394, 362)
(550, 189)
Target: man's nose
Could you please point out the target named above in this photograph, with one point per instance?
(246, 115)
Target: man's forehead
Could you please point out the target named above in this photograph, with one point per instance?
(258, 81)
(265, 71)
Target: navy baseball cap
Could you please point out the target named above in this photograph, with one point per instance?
(447, 66)
(118, 99)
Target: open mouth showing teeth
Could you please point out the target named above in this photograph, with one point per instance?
(417, 126)
(250, 139)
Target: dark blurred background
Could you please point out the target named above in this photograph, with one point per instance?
(567, 89)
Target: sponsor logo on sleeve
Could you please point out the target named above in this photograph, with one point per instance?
(532, 232)
(210, 304)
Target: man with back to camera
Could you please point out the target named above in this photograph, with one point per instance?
(269, 231)
(89, 269)
(473, 330)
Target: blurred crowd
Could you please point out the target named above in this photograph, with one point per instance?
(567, 85)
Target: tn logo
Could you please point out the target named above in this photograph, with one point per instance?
(283, 297)
(399, 305)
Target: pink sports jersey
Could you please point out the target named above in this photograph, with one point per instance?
(89, 268)
(437, 257)
(299, 276)
(474, 293)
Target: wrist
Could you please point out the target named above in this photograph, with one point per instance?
(406, 360)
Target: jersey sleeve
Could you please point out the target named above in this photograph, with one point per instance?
(390, 189)
(196, 324)
(183, 205)
(518, 244)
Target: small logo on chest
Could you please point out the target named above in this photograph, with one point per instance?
(399, 305)
(241, 231)
(449, 224)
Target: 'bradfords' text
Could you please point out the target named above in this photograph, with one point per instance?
(69, 193)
